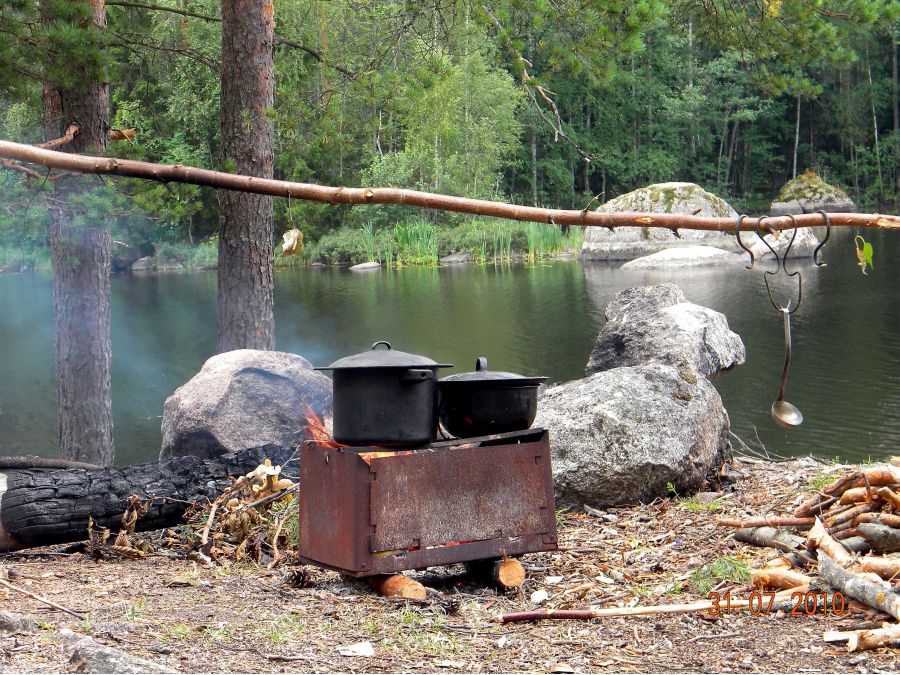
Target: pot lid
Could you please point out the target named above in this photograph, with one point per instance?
(482, 374)
(384, 358)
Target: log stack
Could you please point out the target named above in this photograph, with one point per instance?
(851, 527)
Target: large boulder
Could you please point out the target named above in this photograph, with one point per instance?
(683, 256)
(808, 193)
(242, 399)
(626, 243)
(627, 435)
(656, 324)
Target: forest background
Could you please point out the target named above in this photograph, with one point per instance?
(547, 103)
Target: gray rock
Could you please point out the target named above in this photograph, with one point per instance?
(145, 264)
(810, 193)
(683, 256)
(241, 399)
(365, 267)
(13, 622)
(627, 243)
(621, 436)
(803, 245)
(789, 208)
(457, 258)
(89, 656)
(656, 324)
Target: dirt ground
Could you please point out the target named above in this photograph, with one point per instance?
(191, 618)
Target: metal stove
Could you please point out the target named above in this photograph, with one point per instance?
(373, 510)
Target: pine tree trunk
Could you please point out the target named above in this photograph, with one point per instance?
(81, 267)
(796, 139)
(246, 317)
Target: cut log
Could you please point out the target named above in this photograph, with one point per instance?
(884, 539)
(886, 568)
(878, 474)
(505, 573)
(779, 578)
(397, 586)
(853, 495)
(849, 515)
(40, 508)
(770, 537)
(877, 595)
(886, 636)
(765, 521)
(818, 537)
(815, 506)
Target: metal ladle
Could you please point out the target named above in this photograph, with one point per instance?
(785, 414)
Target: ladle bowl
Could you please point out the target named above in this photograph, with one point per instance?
(786, 415)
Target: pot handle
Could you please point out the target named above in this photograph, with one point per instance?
(481, 363)
(381, 342)
(414, 375)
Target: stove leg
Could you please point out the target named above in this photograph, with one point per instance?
(504, 573)
(397, 586)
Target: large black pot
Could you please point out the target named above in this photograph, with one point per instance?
(385, 397)
(487, 402)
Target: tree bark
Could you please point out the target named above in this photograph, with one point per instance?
(81, 265)
(796, 138)
(246, 317)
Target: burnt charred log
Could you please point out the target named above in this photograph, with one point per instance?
(39, 508)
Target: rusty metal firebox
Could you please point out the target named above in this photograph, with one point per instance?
(452, 501)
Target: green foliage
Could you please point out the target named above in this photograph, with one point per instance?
(864, 253)
(727, 568)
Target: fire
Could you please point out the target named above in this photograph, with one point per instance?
(317, 432)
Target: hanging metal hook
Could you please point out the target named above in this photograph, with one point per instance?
(782, 265)
(737, 233)
(762, 238)
(816, 260)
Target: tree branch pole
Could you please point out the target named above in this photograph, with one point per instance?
(177, 173)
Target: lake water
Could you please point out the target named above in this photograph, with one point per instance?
(538, 319)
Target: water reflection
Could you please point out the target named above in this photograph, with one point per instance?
(532, 320)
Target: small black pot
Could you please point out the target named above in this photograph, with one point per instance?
(385, 397)
(487, 402)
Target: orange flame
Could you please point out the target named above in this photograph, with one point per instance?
(316, 431)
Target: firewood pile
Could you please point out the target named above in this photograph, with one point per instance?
(836, 553)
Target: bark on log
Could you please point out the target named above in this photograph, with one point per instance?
(889, 519)
(341, 195)
(886, 568)
(505, 573)
(890, 497)
(815, 506)
(41, 508)
(765, 521)
(883, 538)
(886, 636)
(852, 585)
(7, 463)
(779, 578)
(770, 537)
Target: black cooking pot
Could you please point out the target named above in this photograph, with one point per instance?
(487, 402)
(385, 397)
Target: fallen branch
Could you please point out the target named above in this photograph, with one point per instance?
(852, 585)
(815, 507)
(39, 598)
(769, 537)
(849, 515)
(890, 497)
(889, 519)
(341, 195)
(687, 608)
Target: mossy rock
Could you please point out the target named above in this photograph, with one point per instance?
(627, 243)
(808, 193)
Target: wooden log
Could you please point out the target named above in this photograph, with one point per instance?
(818, 537)
(853, 495)
(889, 519)
(882, 537)
(791, 544)
(815, 506)
(877, 595)
(779, 578)
(877, 474)
(861, 640)
(765, 521)
(397, 586)
(503, 573)
(849, 515)
(886, 568)
(39, 508)
(890, 497)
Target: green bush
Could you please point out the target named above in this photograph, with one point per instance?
(344, 245)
